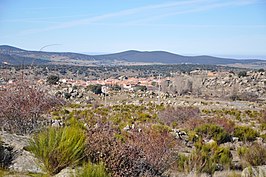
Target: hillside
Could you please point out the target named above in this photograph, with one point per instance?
(168, 58)
(20, 60)
(15, 56)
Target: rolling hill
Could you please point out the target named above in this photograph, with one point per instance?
(17, 56)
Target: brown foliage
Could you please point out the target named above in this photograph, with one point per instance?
(179, 115)
(145, 153)
(254, 155)
(191, 124)
(21, 107)
(227, 124)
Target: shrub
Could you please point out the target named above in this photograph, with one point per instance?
(253, 114)
(182, 162)
(140, 87)
(254, 155)
(97, 89)
(102, 145)
(160, 128)
(261, 70)
(263, 126)
(58, 148)
(145, 153)
(226, 124)
(191, 124)
(245, 133)
(92, 170)
(116, 87)
(206, 158)
(242, 74)
(178, 115)
(52, 79)
(213, 131)
(21, 108)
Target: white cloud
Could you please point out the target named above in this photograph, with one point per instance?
(179, 7)
(122, 13)
(201, 8)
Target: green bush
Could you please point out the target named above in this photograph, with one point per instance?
(92, 170)
(263, 126)
(261, 70)
(192, 136)
(212, 154)
(242, 74)
(58, 148)
(213, 131)
(245, 133)
(97, 89)
(116, 87)
(181, 162)
(206, 158)
(140, 87)
(160, 128)
(52, 79)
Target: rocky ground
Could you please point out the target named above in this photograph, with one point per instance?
(23, 163)
(239, 99)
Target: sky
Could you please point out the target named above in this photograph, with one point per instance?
(228, 28)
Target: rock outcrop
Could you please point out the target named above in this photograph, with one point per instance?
(19, 160)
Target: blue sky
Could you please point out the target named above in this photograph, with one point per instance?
(235, 28)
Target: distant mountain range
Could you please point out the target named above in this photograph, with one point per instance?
(16, 56)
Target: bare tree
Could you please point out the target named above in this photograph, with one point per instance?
(21, 107)
(234, 91)
(197, 85)
(178, 84)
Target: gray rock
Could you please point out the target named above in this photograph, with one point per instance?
(22, 161)
(80, 95)
(74, 94)
(15, 141)
(67, 172)
(235, 139)
(259, 171)
(211, 141)
(226, 173)
(25, 162)
(70, 90)
(56, 123)
(126, 128)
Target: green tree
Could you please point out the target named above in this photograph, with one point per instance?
(242, 74)
(97, 89)
(52, 79)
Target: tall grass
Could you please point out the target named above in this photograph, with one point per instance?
(92, 170)
(58, 148)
